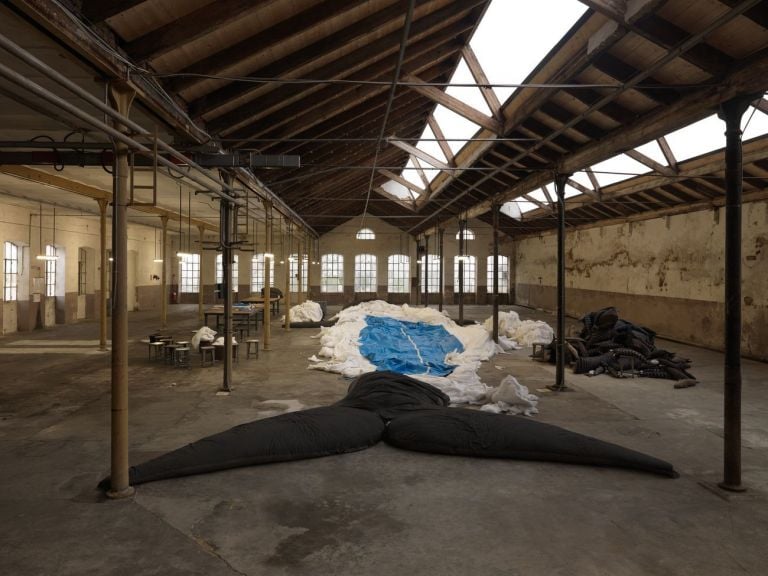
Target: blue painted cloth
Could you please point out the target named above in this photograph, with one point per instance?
(407, 347)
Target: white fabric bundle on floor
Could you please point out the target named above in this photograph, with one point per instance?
(523, 332)
(204, 333)
(308, 311)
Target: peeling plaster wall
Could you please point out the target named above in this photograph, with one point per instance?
(666, 273)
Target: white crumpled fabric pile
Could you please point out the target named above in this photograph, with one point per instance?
(515, 333)
(307, 311)
(340, 351)
(203, 333)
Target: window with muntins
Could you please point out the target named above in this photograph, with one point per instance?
(332, 273)
(398, 274)
(220, 271)
(189, 274)
(293, 272)
(470, 274)
(468, 234)
(10, 272)
(365, 273)
(366, 234)
(433, 274)
(82, 271)
(503, 274)
(50, 270)
(257, 273)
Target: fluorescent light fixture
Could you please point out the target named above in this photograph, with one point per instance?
(183, 255)
(46, 257)
(157, 260)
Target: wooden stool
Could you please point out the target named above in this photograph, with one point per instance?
(181, 357)
(252, 342)
(169, 353)
(207, 355)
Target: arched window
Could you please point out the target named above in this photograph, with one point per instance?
(220, 271)
(398, 274)
(503, 274)
(332, 273)
(10, 272)
(293, 272)
(468, 234)
(433, 274)
(365, 234)
(365, 273)
(257, 272)
(189, 274)
(470, 274)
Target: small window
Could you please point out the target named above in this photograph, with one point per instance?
(50, 270)
(257, 273)
(470, 274)
(398, 274)
(366, 234)
(432, 272)
(293, 271)
(82, 271)
(468, 234)
(503, 274)
(332, 273)
(11, 272)
(189, 274)
(365, 273)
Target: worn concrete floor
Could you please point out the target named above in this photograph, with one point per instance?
(381, 511)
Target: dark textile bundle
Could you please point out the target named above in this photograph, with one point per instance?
(621, 348)
(401, 411)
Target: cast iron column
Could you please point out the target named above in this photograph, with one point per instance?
(441, 255)
(495, 298)
(103, 279)
(225, 222)
(462, 228)
(200, 313)
(560, 180)
(426, 271)
(268, 262)
(164, 275)
(731, 112)
(287, 261)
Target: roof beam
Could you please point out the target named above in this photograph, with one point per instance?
(429, 159)
(480, 78)
(452, 103)
(99, 10)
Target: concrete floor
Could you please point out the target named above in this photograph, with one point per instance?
(381, 511)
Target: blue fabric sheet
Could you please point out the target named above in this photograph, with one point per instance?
(407, 347)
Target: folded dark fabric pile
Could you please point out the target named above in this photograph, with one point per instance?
(608, 344)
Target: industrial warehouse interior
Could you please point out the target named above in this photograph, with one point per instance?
(367, 287)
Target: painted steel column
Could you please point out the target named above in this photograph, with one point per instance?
(267, 275)
(287, 262)
(122, 97)
(225, 223)
(426, 271)
(440, 234)
(495, 297)
(200, 312)
(164, 275)
(560, 180)
(103, 279)
(462, 228)
(310, 251)
(731, 112)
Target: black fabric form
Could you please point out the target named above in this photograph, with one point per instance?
(400, 410)
(464, 432)
(608, 344)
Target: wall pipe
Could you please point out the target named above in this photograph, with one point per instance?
(560, 180)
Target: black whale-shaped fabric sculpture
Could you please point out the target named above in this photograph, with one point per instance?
(401, 411)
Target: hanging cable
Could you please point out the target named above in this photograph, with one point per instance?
(390, 99)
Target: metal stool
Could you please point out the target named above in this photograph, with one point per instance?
(181, 357)
(156, 350)
(169, 353)
(207, 356)
(252, 342)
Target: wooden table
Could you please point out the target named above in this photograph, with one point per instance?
(274, 302)
(241, 317)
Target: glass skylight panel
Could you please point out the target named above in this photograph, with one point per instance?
(397, 190)
(570, 191)
(582, 178)
(525, 206)
(698, 138)
(754, 124)
(510, 42)
(653, 151)
(511, 209)
(430, 146)
(618, 168)
(454, 127)
(468, 94)
(540, 196)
